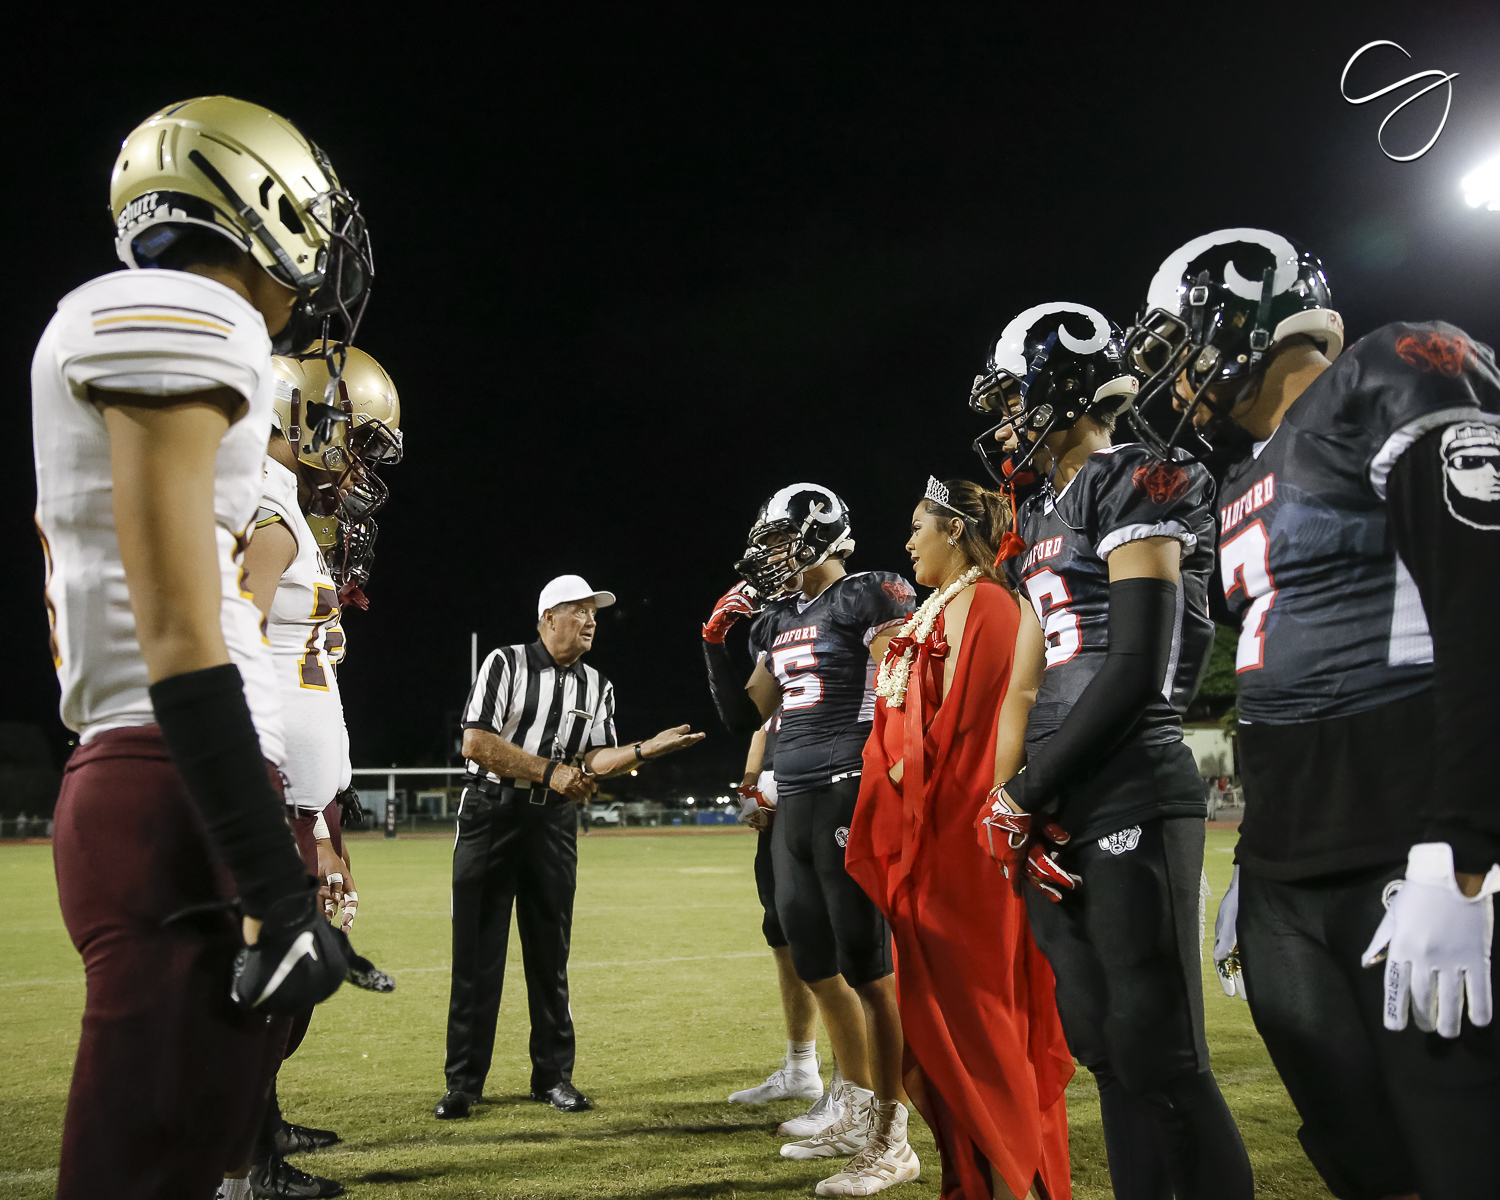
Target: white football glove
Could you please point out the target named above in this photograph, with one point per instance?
(1433, 934)
(1227, 941)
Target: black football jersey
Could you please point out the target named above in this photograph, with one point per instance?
(819, 651)
(1121, 494)
(1331, 623)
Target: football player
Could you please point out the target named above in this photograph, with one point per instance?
(151, 404)
(815, 647)
(1359, 545)
(320, 461)
(799, 1076)
(1114, 553)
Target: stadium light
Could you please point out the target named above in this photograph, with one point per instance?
(633, 774)
(691, 801)
(1482, 185)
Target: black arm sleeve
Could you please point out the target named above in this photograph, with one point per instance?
(736, 709)
(207, 727)
(1451, 545)
(1142, 615)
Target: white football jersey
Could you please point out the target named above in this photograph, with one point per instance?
(307, 644)
(159, 333)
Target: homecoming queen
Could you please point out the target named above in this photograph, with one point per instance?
(986, 1059)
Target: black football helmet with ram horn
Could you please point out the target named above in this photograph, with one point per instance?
(1051, 365)
(1217, 308)
(798, 528)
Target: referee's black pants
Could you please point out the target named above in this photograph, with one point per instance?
(509, 849)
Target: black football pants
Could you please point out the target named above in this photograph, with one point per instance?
(832, 927)
(509, 849)
(1126, 953)
(1382, 1113)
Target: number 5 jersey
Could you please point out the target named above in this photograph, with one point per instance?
(307, 644)
(819, 652)
(1121, 494)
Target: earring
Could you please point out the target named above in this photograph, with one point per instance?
(951, 542)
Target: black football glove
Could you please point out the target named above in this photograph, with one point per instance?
(351, 812)
(299, 960)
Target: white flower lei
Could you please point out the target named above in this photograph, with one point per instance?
(892, 678)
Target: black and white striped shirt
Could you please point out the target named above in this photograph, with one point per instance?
(550, 711)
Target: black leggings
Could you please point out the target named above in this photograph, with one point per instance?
(1382, 1113)
(1125, 950)
(832, 927)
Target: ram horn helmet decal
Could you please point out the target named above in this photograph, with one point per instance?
(1165, 291)
(1010, 347)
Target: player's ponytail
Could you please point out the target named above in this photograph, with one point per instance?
(987, 517)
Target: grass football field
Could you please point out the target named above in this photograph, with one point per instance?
(675, 1001)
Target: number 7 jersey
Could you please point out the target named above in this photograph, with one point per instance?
(1121, 494)
(1331, 623)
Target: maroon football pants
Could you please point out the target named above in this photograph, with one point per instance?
(170, 1075)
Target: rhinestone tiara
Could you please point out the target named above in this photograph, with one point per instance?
(937, 492)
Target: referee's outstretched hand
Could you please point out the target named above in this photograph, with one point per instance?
(669, 741)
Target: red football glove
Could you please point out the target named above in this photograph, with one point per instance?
(1002, 833)
(1042, 867)
(737, 602)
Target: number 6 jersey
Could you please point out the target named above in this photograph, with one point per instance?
(1121, 494)
(307, 644)
(819, 651)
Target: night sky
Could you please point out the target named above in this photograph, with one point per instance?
(637, 271)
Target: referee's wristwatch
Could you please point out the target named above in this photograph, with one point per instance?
(549, 771)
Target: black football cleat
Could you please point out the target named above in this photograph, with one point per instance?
(564, 1097)
(454, 1106)
(299, 1139)
(277, 1179)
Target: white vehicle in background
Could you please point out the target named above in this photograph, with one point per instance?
(608, 814)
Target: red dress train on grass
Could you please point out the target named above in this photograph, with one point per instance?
(975, 993)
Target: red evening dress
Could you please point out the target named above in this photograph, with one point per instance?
(975, 993)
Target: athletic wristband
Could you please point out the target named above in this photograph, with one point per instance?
(549, 771)
(639, 756)
(320, 829)
(206, 725)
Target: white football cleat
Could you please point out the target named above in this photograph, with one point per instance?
(828, 1108)
(846, 1136)
(785, 1083)
(886, 1160)
(234, 1189)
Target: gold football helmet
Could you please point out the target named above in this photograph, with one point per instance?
(342, 441)
(249, 175)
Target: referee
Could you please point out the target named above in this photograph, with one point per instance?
(539, 730)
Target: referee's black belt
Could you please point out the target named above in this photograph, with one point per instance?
(531, 794)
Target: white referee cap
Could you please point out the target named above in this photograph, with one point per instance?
(567, 588)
